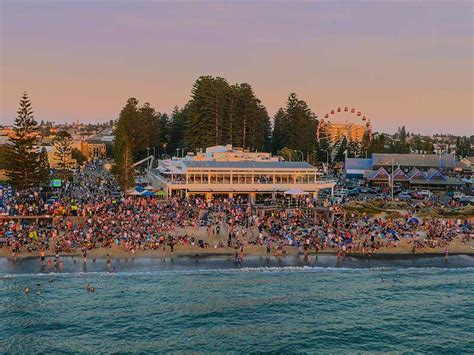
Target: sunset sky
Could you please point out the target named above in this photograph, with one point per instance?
(399, 62)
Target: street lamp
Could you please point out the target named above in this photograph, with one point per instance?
(327, 161)
(299, 151)
(164, 149)
(391, 179)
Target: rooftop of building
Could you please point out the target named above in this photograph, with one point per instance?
(418, 160)
(268, 165)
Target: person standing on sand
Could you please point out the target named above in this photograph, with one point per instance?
(42, 257)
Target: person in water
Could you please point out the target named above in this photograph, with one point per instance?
(90, 288)
(107, 262)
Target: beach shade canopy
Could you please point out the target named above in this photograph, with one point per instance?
(394, 234)
(160, 193)
(149, 187)
(414, 220)
(135, 193)
(148, 193)
(295, 192)
(139, 188)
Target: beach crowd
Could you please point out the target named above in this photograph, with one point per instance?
(91, 215)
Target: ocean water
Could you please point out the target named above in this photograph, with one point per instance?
(214, 305)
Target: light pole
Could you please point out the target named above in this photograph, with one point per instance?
(153, 152)
(327, 162)
(302, 155)
(147, 152)
(391, 179)
(164, 150)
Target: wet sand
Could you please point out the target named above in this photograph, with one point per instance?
(403, 250)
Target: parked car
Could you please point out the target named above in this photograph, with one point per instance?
(404, 195)
(354, 192)
(458, 195)
(466, 200)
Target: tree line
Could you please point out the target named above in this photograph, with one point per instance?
(220, 113)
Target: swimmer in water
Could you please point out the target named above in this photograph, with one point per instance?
(90, 288)
(26, 290)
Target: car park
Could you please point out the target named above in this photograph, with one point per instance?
(354, 192)
(458, 195)
(404, 196)
(466, 200)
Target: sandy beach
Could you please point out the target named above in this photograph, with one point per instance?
(404, 249)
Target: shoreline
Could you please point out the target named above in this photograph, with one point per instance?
(251, 251)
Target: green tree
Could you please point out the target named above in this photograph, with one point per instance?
(279, 134)
(63, 145)
(44, 171)
(323, 145)
(288, 154)
(78, 156)
(340, 149)
(177, 129)
(207, 111)
(220, 114)
(300, 126)
(22, 157)
(123, 167)
(366, 144)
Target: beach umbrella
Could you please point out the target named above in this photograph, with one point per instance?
(139, 188)
(135, 193)
(160, 193)
(149, 187)
(148, 193)
(414, 220)
(393, 233)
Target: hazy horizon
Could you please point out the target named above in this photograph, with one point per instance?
(399, 63)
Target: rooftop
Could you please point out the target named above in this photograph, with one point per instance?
(419, 160)
(247, 165)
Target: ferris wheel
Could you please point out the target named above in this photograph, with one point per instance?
(352, 117)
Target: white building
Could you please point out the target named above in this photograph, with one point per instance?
(226, 173)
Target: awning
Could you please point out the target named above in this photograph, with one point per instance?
(295, 192)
